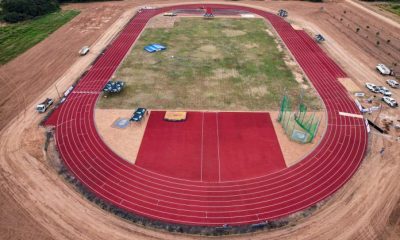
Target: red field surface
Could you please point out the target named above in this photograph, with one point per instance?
(211, 146)
(272, 195)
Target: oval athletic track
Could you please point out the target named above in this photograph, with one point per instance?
(274, 195)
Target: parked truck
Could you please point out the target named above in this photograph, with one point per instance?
(383, 69)
(42, 107)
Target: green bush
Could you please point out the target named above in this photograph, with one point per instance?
(13, 17)
(18, 10)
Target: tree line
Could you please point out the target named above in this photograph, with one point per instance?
(13, 11)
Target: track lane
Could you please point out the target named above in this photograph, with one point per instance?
(245, 201)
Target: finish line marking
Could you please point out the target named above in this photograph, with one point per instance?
(350, 115)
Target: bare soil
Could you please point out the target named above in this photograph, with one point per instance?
(29, 75)
(294, 152)
(124, 142)
(349, 84)
(35, 203)
(161, 21)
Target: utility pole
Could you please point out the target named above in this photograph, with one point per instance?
(55, 85)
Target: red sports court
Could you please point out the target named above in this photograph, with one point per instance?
(211, 146)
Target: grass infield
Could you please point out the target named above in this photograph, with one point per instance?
(218, 64)
(19, 37)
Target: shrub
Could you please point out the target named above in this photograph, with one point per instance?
(13, 17)
(18, 10)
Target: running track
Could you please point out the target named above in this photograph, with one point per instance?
(246, 201)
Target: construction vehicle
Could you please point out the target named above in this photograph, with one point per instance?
(42, 107)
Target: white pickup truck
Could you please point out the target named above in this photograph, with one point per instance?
(42, 107)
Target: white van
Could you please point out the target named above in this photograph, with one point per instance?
(383, 69)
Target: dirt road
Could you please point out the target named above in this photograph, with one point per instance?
(29, 75)
(36, 203)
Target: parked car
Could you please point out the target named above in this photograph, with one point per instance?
(390, 101)
(384, 91)
(84, 50)
(372, 87)
(43, 106)
(393, 83)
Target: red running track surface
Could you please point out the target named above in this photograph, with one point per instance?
(270, 196)
(211, 146)
(209, 11)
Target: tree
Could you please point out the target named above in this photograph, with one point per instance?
(18, 10)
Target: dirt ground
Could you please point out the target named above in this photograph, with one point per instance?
(44, 63)
(124, 142)
(294, 152)
(35, 203)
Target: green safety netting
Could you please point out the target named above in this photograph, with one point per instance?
(299, 125)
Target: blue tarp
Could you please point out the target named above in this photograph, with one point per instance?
(150, 49)
(155, 47)
(159, 46)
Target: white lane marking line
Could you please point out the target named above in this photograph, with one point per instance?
(219, 160)
(201, 148)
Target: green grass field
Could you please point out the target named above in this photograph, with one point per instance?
(218, 64)
(17, 38)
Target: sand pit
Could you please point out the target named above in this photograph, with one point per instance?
(124, 142)
(294, 152)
